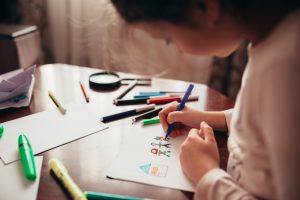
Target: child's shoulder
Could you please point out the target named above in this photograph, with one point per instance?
(280, 49)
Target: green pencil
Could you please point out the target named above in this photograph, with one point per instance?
(151, 121)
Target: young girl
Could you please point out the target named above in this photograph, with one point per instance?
(264, 126)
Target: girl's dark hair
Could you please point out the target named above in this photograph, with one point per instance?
(152, 10)
(177, 11)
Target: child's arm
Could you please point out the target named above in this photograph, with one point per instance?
(218, 120)
(192, 117)
(218, 184)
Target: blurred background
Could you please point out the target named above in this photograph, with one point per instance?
(90, 33)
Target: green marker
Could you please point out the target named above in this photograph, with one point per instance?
(27, 157)
(1, 130)
(151, 121)
(101, 196)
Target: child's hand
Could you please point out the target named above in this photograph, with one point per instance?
(187, 118)
(199, 153)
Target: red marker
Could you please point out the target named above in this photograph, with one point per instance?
(161, 100)
(84, 92)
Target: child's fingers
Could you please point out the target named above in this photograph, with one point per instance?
(163, 114)
(194, 135)
(201, 133)
(175, 116)
(207, 132)
(175, 133)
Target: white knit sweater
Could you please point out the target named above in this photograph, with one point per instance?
(264, 140)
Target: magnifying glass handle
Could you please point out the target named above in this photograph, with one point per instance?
(129, 87)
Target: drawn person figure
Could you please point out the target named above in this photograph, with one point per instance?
(264, 126)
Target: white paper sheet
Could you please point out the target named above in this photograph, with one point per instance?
(13, 183)
(49, 129)
(142, 159)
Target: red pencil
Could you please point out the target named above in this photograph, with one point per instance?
(84, 92)
(161, 100)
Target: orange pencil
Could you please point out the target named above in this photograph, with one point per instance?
(84, 92)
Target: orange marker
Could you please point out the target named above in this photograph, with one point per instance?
(84, 92)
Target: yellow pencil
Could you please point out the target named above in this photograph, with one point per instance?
(56, 102)
(62, 174)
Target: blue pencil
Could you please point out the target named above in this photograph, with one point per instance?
(180, 107)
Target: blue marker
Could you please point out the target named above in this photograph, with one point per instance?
(180, 107)
(149, 95)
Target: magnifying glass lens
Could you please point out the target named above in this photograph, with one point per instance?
(104, 79)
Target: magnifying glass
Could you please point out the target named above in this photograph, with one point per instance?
(111, 80)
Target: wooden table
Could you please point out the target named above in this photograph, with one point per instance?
(87, 159)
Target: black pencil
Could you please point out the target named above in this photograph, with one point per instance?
(118, 102)
(147, 115)
(127, 113)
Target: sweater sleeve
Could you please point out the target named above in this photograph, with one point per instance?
(217, 184)
(228, 114)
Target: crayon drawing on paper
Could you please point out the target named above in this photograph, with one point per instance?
(145, 157)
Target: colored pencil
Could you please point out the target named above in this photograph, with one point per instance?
(84, 92)
(127, 113)
(160, 92)
(118, 102)
(161, 100)
(151, 121)
(147, 115)
(129, 87)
